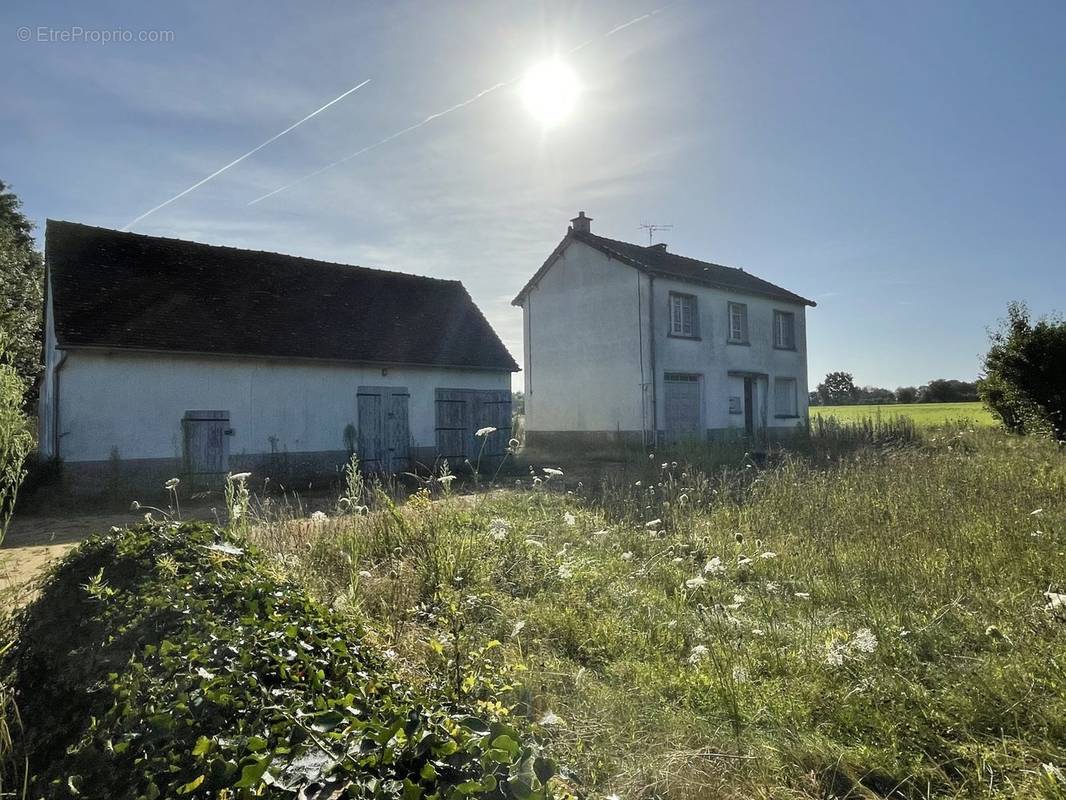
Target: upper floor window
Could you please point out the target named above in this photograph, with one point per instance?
(785, 330)
(738, 323)
(683, 315)
(785, 397)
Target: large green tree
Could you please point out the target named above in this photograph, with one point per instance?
(21, 286)
(1024, 382)
(837, 389)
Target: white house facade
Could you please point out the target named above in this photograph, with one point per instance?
(166, 358)
(632, 344)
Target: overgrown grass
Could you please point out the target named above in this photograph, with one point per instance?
(872, 625)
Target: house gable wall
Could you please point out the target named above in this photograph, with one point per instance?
(583, 346)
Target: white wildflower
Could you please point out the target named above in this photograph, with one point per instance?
(758, 632)
(768, 555)
(319, 516)
(517, 629)
(550, 718)
(535, 543)
(743, 561)
(740, 675)
(802, 595)
(739, 599)
(627, 556)
(240, 476)
(697, 654)
(569, 519)
(481, 433)
(835, 653)
(695, 583)
(772, 586)
(446, 479)
(228, 549)
(365, 574)
(565, 573)
(713, 567)
(653, 525)
(513, 444)
(172, 484)
(553, 472)
(864, 641)
(499, 528)
(1056, 601)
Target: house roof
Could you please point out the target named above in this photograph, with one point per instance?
(129, 291)
(655, 260)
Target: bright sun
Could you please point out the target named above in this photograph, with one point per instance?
(549, 91)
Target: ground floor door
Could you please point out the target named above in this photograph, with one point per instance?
(749, 406)
(461, 413)
(681, 406)
(384, 437)
(205, 447)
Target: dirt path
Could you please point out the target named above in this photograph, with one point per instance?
(33, 542)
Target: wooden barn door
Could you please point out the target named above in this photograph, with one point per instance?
(461, 413)
(384, 429)
(206, 450)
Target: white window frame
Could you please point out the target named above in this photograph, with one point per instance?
(792, 412)
(780, 317)
(742, 338)
(684, 316)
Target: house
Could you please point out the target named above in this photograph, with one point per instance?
(171, 358)
(633, 344)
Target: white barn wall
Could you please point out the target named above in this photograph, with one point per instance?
(583, 346)
(131, 405)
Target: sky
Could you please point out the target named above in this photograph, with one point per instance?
(900, 163)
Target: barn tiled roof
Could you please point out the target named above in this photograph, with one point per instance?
(129, 291)
(655, 260)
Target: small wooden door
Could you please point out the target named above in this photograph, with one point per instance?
(681, 405)
(206, 450)
(384, 430)
(461, 413)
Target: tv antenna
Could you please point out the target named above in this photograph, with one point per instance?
(652, 228)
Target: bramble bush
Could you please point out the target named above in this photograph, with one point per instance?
(166, 661)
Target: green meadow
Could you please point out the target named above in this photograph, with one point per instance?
(923, 415)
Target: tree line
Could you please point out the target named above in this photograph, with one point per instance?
(839, 389)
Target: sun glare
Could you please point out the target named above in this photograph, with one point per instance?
(549, 91)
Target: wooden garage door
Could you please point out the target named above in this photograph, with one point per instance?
(462, 412)
(681, 406)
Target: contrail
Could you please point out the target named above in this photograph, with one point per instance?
(387, 139)
(449, 110)
(236, 161)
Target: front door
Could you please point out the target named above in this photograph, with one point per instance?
(384, 431)
(681, 395)
(749, 406)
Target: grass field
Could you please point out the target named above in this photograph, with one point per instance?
(878, 628)
(923, 415)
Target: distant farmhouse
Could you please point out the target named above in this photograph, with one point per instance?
(166, 358)
(633, 344)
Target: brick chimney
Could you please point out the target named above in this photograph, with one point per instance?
(580, 223)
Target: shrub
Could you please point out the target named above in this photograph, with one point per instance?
(1024, 383)
(164, 661)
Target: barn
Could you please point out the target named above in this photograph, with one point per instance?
(167, 358)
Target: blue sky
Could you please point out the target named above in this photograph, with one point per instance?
(901, 163)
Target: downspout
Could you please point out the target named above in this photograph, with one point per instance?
(55, 404)
(651, 360)
(640, 355)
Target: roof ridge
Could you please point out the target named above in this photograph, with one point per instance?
(314, 261)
